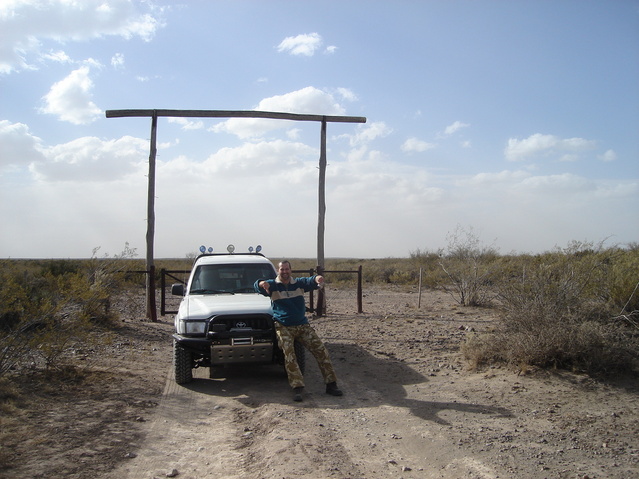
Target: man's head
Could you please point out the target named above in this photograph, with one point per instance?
(284, 271)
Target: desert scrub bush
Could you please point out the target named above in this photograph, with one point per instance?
(46, 312)
(428, 263)
(624, 281)
(468, 267)
(34, 330)
(557, 313)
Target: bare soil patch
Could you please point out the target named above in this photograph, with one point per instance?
(410, 408)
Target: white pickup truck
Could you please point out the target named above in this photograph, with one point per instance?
(221, 319)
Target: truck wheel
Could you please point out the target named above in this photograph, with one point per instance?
(300, 354)
(182, 363)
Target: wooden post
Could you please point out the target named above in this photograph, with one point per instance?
(321, 298)
(419, 296)
(151, 311)
(360, 307)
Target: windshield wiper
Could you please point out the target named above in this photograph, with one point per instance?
(247, 289)
(210, 291)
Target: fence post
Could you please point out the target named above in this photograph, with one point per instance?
(163, 292)
(419, 296)
(311, 295)
(321, 300)
(360, 308)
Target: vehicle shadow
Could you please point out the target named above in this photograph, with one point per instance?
(367, 380)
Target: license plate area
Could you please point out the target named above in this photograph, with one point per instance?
(241, 353)
(241, 341)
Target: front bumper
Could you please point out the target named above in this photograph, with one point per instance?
(231, 347)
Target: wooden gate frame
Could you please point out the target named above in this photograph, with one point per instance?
(151, 310)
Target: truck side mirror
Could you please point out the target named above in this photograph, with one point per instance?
(177, 289)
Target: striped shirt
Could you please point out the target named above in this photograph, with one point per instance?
(289, 307)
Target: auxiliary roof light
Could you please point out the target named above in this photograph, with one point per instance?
(230, 248)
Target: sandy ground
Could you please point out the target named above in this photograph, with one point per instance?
(410, 409)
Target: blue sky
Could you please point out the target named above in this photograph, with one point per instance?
(516, 119)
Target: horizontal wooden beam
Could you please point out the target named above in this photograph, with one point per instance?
(234, 114)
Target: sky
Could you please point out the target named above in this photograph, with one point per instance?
(514, 120)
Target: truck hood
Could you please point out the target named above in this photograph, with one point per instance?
(207, 305)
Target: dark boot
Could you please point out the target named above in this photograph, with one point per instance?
(297, 394)
(333, 390)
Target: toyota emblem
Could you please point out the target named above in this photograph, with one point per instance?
(240, 324)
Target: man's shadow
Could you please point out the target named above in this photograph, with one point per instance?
(368, 380)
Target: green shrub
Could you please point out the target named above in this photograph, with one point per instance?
(624, 281)
(557, 312)
(47, 308)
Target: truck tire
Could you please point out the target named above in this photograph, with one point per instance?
(300, 354)
(182, 363)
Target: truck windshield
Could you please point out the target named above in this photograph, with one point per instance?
(229, 278)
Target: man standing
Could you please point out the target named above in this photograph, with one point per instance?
(289, 313)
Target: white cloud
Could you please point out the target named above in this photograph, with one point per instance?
(117, 60)
(557, 184)
(293, 134)
(27, 24)
(347, 94)
(187, 124)
(609, 155)
(276, 158)
(331, 49)
(416, 145)
(306, 44)
(18, 147)
(368, 132)
(92, 159)
(456, 126)
(309, 100)
(487, 179)
(519, 150)
(569, 158)
(366, 191)
(263, 162)
(71, 98)
(58, 57)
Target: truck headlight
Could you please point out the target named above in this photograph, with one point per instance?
(191, 327)
(195, 327)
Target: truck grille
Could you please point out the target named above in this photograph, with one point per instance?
(241, 322)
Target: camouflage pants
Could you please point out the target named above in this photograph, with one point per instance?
(305, 334)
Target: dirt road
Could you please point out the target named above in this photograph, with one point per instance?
(409, 410)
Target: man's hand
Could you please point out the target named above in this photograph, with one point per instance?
(265, 286)
(320, 281)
